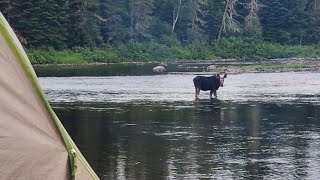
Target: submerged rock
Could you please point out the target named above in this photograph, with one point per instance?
(159, 69)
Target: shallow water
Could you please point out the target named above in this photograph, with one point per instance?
(262, 126)
(271, 87)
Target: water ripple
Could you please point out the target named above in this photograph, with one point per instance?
(263, 87)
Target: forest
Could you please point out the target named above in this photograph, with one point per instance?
(61, 31)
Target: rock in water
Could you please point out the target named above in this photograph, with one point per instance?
(159, 69)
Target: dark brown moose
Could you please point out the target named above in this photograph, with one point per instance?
(211, 83)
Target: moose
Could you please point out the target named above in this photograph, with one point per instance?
(211, 83)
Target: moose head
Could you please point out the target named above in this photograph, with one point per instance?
(221, 78)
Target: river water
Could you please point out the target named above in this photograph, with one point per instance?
(262, 126)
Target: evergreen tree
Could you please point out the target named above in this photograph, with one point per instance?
(284, 21)
(141, 18)
(18, 15)
(194, 14)
(313, 28)
(53, 19)
(61, 23)
(84, 23)
(10, 9)
(297, 21)
(38, 23)
(215, 10)
(198, 13)
(162, 26)
(115, 20)
(274, 16)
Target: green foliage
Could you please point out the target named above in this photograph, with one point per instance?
(38, 57)
(158, 51)
(237, 47)
(91, 23)
(46, 56)
(201, 51)
(254, 49)
(134, 51)
(269, 51)
(81, 31)
(274, 66)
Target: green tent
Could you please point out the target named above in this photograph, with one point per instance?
(33, 142)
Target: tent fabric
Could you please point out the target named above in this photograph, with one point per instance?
(33, 142)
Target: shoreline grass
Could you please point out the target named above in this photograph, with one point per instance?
(233, 48)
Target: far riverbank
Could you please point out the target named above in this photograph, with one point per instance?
(231, 66)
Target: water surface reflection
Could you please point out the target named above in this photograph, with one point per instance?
(217, 139)
(264, 126)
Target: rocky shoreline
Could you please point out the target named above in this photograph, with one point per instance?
(232, 66)
(263, 66)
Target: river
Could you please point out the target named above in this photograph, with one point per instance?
(262, 126)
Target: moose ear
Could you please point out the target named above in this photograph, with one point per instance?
(218, 75)
(225, 76)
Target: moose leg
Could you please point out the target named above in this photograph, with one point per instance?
(215, 94)
(197, 92)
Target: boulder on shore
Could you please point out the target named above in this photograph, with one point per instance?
(159, 69)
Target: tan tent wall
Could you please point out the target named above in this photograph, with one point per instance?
(33, 142)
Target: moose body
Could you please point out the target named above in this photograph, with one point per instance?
(211, 83)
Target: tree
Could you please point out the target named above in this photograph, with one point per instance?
(252, 20)
(161, 28)
(9, 9)
(313, 30)
(228, 18)
(215, 10)
(114, 20)
(84, 29)
(53, 20)
(141, 18)
(194, 14)
(14, 11)
(298, 21)
(198, 14)
(61, 23)
(38, 23)
(175, 15)
(188, 19)
(284, 21)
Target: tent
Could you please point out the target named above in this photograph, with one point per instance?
(33, 142)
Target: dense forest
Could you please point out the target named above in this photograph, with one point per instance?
(167, 29)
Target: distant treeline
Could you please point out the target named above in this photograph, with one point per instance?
(187, 25)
